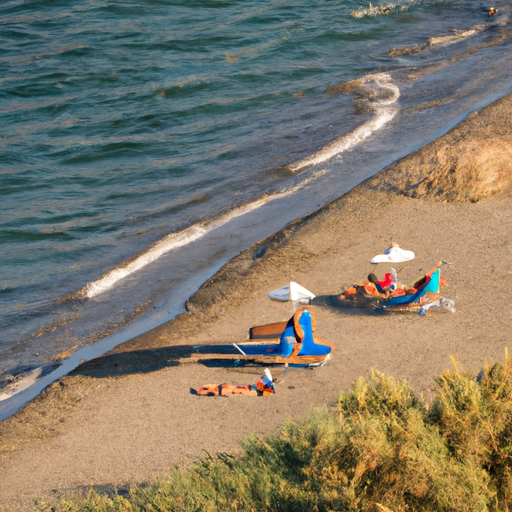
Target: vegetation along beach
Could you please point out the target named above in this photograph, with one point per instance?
(165, 166)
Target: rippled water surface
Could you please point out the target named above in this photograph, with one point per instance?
(143, 144)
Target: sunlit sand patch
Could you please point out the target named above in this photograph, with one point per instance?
(471, 163)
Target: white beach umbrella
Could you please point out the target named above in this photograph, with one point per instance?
(292, 291)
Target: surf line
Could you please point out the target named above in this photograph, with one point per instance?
(179, 239)
(20, 384)
(383, 116)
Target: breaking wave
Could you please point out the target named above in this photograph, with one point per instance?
(386, 94)
(456, 36)
(380, 94)
(179, 239)
(383, 95)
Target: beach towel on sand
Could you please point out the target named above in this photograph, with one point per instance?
(263, 387)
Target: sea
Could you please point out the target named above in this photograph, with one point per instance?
(143, 144)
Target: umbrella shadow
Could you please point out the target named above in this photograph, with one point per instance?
(155, 359)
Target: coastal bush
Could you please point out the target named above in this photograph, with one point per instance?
(384, 450)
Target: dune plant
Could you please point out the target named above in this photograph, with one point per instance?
(384, 450)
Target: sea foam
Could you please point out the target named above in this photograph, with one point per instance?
(383, 115)
(179, 239)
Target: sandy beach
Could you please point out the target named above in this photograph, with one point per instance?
(129, 415)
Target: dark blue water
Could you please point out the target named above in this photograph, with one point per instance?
(137, 139)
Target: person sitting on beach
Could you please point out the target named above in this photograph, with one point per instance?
(387, 285)
(379, 285)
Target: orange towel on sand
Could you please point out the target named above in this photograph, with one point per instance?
(263, 387)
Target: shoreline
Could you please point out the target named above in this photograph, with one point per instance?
(65, 437)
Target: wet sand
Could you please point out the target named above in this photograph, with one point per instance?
(129, 415)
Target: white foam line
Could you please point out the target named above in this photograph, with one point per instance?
(170, 242)
(345, 142)
(21, 384)
(444, 40)
(382, 79)
(176, 240)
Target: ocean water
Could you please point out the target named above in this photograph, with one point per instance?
(144, 144)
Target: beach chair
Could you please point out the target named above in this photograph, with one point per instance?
(293, 342)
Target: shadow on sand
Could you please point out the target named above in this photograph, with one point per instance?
(151, 360)
(361, 308)
(223, 355)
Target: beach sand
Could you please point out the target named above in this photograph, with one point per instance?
(129, 415)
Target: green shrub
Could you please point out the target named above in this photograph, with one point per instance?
(385, 450)
(475, 417)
